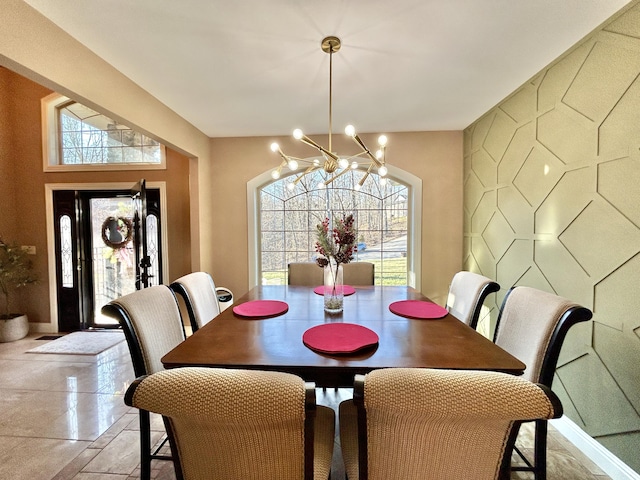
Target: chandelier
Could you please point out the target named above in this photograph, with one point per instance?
(331, 163)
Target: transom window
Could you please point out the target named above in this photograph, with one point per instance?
(79, 138)
(288, 220)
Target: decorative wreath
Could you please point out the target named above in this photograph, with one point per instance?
(124, 228)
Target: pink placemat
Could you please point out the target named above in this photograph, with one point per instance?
(261, 308)
(339, 338)
(346, 290)
(418, 309)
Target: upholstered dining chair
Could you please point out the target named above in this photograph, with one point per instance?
(150, 319)
(532, 326)
(467, 294)
(412, 423)
(359, 273)
(309, 274)
(200, 297)
(306, 274)
(232, 424)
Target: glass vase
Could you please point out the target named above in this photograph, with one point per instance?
(333, 288)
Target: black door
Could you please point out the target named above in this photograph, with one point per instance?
(103, 250)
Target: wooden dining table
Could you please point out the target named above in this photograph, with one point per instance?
(275, 343)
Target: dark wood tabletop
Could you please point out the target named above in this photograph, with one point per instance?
(276, 343)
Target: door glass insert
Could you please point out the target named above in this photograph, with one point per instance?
(66, 252)
(113, 256)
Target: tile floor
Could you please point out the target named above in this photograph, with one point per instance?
(62, 417)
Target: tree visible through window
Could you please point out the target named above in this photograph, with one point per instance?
(288, 220)
(88, 137)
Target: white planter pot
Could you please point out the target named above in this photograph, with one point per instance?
(14, 328)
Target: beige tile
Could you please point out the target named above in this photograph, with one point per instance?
(571, 449)
(114, 430)
(36, 458)
(99, 476)
(67, 415)
(121, 455)
(72, 468)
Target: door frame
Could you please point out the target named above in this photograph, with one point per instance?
(52, 326)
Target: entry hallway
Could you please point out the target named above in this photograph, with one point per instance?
(62, 417)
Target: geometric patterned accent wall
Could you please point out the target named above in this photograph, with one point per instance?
(552, 201)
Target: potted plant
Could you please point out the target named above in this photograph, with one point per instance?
(15, 272)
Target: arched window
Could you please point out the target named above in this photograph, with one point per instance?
(385, 210)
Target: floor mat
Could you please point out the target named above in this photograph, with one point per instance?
(81, 343)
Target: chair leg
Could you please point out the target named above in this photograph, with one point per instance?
(540, 450)
(145, 445)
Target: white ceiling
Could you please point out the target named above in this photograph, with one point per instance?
(255, 67)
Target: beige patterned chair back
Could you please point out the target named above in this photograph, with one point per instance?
(467, 293)
(199, 293)
(359, 273)
(306, 274)
(532, 327)
(152, 325)
(232, 424)
(309, 274)
(438, 424)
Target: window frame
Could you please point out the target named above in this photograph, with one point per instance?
(51, 144)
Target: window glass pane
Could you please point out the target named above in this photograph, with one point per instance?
(288, 222)
(88, 138)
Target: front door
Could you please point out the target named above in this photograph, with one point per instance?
(99, 234)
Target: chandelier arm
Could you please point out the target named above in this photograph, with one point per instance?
(311, 143)
(364, 177)
(285, 159)
(358, 140)
(327, 182)
(308, 170)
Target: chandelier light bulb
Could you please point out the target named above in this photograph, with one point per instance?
(383, 182)
(275, 147)
(382, 171)
(357, 187)
(316, 162)
(354, 165)
(297, 134)
(350, 130)
(321, 186)
(382, 140)
(291, 186)
(293, 165)
(378, 154)
(275, 174)
(343, 163)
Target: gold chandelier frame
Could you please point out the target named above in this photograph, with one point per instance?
(331, 163)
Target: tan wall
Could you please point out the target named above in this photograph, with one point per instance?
(24, 180)
(435, 157)
(6, 168)
(37, 49)
(552, 200)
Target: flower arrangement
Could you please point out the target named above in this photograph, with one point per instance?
(338, 243)
(335, 246)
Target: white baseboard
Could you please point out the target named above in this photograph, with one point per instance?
(603, 458)
(42, 328)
